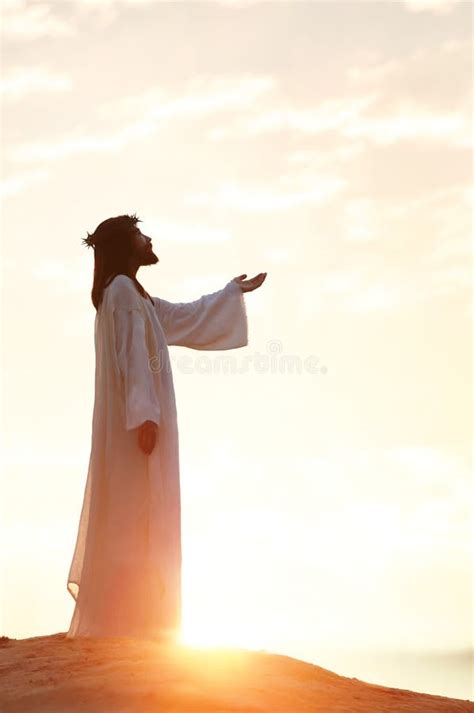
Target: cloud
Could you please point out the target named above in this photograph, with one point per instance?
(23, 21)
(332, 114)
(416, 94)
(201, 97)
(388, 101)
(17, 82)
(409, 123)
(237, 4)
(255, 199)
(70, 146)
(406, 122)
(315, 157)
(439, 7)
(17, 183)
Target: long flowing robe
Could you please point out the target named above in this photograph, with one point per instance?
(125, 574)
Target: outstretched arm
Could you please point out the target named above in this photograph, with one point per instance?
(215, 321)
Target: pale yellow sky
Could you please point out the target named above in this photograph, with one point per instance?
(329, 144)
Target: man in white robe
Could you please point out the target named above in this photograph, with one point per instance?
(125, 575)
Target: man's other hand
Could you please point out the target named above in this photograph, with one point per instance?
(147, 436)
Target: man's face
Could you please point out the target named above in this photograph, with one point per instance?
(142, 248)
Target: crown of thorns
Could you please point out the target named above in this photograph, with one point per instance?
(93, 240)
(89, 241)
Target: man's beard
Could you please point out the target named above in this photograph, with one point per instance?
(150, 259)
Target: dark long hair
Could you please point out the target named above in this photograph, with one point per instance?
(112, 244)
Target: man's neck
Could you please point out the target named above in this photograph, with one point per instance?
(132, 269)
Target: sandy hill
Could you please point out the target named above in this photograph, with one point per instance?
(52, 674)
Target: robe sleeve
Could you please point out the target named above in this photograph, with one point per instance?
(138, 388)
(214, 321)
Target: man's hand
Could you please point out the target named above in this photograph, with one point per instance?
(147, 436)
(252, 284)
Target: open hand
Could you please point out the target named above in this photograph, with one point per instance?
(147, 436)
(252, 284)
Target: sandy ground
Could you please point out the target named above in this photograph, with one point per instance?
(52, 674)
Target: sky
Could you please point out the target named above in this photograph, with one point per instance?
(327, 479)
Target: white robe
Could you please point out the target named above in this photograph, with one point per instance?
(125, 574)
